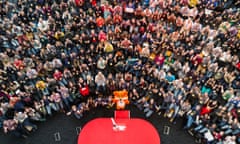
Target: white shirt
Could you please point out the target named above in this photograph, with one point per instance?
(208, 135)
(43, 25)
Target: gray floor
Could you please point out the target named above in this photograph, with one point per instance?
(66, 127)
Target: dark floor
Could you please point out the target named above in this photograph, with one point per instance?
(67, 128)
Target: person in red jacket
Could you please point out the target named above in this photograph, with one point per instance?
(79, 2)
(238, 66)
(84, 91)
(197, 59)
(94, 3)
(208, 107)
(57, 75)
(102, 36)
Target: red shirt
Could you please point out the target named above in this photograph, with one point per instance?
(94, 38)
(205, 110)
(142, 29)
(57, 75)
(151, 27)
(197, 60)
(18, 64)
(79, 2)
(84, 91)
(94, 3)
(159, 60)
(217, 136)
(238, 66)
(102, 36)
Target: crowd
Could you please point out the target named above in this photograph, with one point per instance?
(177, 58)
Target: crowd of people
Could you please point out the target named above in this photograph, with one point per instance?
(177, 58)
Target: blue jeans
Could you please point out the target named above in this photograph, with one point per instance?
(227, 4)
(236, 131)
(189, 122)
(59, 105)
(45, 91)
(1, 121)
(225, 126)
(228, 131)
(177, 92)
(165, 105)
(200, 129)
(33, 51)
(63, 82)
(67, 102)
(50, 107)
(78, 116)
(148, 112)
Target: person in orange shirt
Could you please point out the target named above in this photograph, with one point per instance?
(100, 22)
(121, 99)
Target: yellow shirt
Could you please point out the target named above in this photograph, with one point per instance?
(29, 35)
(238, 34)
(108, 47)
(193, 3)
(41, 85)
(152, 56)
(168, 53)
(59, 35)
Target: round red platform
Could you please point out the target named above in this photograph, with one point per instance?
(100, 131)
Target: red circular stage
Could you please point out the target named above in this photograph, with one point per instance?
(128, 131)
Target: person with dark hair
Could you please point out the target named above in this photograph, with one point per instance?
(170, 56)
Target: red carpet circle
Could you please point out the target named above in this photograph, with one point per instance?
(101, 131)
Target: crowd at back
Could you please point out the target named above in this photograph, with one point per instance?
(178, 58)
